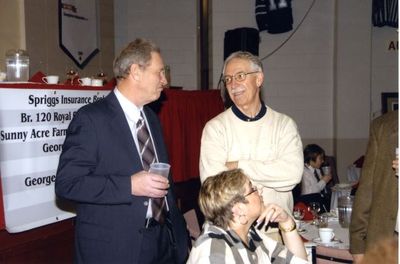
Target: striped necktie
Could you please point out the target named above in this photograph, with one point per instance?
(316, 175)
(145, 143)
(146, 148)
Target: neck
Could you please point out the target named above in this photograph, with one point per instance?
(126, 89)
(250, 111)
(242, 231)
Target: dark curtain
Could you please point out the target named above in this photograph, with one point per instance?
(385, 13)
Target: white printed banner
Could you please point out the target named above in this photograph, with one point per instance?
(33, 124)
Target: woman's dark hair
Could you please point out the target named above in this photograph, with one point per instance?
(311, 152)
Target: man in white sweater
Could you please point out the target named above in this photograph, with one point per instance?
(249, 135)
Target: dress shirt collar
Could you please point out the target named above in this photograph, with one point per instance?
(311, 168)
(132, 112)
(240, 115)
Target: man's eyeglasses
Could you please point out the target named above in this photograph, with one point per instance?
(253, 189)
(239, 77)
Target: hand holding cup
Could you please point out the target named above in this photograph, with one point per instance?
(153, 183)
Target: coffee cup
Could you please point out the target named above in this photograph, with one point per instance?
(85, 81)
(97, 82)
(50, 79)
(326, 234)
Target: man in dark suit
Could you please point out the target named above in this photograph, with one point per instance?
(101, 169)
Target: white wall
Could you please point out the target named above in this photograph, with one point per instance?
(172, 25)
(384, 68)
(352, 79)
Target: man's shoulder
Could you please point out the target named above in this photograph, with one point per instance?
(220, 118)
(99, 107)
(389, 117)
(388, 121)
(278, 116)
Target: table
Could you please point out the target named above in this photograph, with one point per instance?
(331, 253)
(341, 234)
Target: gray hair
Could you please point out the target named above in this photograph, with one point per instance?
(137, 52)
(255, 62)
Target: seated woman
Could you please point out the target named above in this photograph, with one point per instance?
(231, 205)
(313, 183)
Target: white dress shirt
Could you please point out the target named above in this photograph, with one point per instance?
(309, 184)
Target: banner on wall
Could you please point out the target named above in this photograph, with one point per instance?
(33, 125)
(78, 29)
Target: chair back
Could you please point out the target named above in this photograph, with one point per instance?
(328, 255)
(192, 224)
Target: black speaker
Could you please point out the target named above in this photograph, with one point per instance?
(244, 39)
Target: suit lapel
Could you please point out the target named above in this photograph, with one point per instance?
(119, 126)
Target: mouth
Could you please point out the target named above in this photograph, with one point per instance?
(236, 92)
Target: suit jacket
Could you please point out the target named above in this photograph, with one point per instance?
(99, 156)
(375, 205)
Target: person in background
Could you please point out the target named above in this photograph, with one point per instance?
(313, 183)
(249, 135)
(103, 168)
(375, 207)
(231, 204)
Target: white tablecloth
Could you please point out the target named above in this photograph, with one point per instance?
(341, 234)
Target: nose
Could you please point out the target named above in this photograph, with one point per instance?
(232, 85)
(163, 80)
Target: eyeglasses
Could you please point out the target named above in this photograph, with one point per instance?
(253, 189)
(239, 77)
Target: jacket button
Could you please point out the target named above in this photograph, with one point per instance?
(146, 203)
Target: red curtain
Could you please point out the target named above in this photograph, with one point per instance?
(183, 115)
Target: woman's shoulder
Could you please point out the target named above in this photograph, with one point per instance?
(211, 246)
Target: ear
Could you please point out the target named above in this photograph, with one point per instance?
(238, 209)
(260, 79)
(135, 72)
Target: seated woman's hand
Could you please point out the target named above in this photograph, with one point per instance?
(273, 213)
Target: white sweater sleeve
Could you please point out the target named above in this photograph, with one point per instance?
(213, 154)
(284, 171)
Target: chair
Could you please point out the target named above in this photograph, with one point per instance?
(192, 224)
(327, 255)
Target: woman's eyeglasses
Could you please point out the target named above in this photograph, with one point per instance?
(252, 190)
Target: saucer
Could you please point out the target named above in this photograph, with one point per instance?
(331, 243)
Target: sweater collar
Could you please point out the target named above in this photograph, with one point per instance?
(246, 118)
